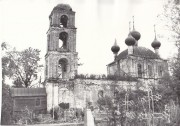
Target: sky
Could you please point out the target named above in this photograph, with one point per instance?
(24, 24)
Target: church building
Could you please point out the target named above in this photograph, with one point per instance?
(61, 61)
(136, 61)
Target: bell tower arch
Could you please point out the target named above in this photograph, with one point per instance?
(61, 57)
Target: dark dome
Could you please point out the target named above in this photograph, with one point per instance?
(115, 48)
(139, 52)
(156, 44)
(136, 35)
(66, 7)
(130, 40)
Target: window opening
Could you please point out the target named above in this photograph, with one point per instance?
(63, 37)
(139, 70)
(150, 70)
(63, 21)
(62, 67)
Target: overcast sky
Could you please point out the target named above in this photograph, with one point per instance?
(24, 24)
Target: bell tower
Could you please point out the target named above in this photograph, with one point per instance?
(61, 57)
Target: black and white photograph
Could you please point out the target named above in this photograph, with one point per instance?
(90, 62)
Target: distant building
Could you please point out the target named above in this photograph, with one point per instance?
(32, 98)
(136, 61)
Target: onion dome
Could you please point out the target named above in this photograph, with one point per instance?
(156, 44)
(135, 34)
(130, 41)
(115, 48)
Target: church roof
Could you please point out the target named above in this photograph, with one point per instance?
(139, 52)
(66, 7)
(28, 92)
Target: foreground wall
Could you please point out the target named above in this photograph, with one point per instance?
(79, 92)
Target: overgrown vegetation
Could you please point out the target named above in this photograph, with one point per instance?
(171, 16)
(7, 106)
(22, 68)
(104, 77)
(131, 106)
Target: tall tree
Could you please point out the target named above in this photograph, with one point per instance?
(172, 17)
(21, 66)
(6, 106)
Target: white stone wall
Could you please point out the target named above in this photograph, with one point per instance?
(52, 95)
(66, 96)
(86, 90)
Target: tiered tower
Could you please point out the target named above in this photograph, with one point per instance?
(61, 57)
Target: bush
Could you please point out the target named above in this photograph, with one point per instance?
(7, 105)
(92, 76)
(16, 117)
(36, 120)
(121, 78)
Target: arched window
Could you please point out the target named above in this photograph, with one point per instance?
(63, 64)
(63, 37)
(63, 21)
(62, 67)
(139, 70)
(150, 71)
